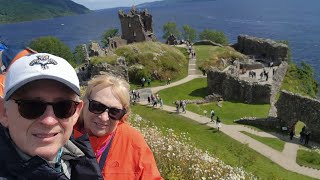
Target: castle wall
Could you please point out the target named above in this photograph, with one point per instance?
(231, 88)
(264, 49)
(292, 107)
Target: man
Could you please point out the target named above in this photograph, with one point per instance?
(212, 115)
(40, 106)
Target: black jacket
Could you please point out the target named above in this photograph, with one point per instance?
(13, 167)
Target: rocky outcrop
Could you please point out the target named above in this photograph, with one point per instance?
(265, 50)
(96, 50)
(88, 71)
(293, 107)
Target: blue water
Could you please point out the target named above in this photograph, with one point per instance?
(294, 20)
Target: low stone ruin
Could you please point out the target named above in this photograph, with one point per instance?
(265, 50)
(88, 71)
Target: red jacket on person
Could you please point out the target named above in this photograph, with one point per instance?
(129, 157)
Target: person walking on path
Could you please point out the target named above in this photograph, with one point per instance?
(218, 123)
(307, 138)
(212, 115)
(168, 80)
(161, 103)
(291, 132)
(148, 81)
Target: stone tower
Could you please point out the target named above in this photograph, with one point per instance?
(136, 26)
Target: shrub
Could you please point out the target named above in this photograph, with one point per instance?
(53, 45)
(213, 35)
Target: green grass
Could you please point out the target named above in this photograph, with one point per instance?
(197, 89)
(309, 159)
(300, 80)
(217, 143)
(274, 143)
(208, 55)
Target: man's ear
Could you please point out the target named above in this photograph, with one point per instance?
(3, 113)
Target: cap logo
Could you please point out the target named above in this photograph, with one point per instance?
(44, 61)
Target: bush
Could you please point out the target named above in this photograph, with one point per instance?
(213, 35)
(53, 45)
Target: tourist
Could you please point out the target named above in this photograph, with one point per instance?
(302, 134)
(120, 149)
(212, 115)
(292, 129)
(307, 137)
(184, 106)
(168, 80)
(218, 123)
(148, 81)
(161, 103)
(40, 107)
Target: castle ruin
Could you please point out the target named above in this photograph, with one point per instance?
(136, 26)
(263, 50)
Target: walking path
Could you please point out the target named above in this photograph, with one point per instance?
(286, 158)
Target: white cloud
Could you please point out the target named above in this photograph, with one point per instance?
(102, 4)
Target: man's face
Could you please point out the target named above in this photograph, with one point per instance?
(45, 135)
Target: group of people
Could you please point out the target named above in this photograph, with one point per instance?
(154, 100)
(48, 131)
(181, 104)
(304, 134)
(144, 81)
(135, 96)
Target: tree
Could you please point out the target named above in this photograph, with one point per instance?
(213, 35)
(53, 45)
(189, 33)
(170, 28)
(79, 54)
(109, 33)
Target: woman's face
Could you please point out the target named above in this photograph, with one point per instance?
(101, 124)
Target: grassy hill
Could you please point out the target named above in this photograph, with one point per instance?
(153, 60)
(26, 10)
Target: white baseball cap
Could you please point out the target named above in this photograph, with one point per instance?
(40, 66)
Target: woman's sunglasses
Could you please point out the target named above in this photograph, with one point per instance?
(98, 108)
(32, 109)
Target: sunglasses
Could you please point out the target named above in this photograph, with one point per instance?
(32, 109)
(98, 108)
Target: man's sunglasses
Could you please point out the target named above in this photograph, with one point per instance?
(98, 108)
(32, 109)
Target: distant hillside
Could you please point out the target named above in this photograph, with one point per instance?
(26, 10)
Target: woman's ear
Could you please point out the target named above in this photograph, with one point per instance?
(3, 113)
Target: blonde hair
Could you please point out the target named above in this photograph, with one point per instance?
(119, 86)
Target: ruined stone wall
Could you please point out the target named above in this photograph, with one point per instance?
(132, 29)
(136, 26)
(277, 80)
(265, 49)
(269, 122)
(292, 107)
(233, 89)
(88, 71)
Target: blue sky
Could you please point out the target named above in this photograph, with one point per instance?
(102, 4)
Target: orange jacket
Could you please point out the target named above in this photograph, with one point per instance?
(22, 53)
(129, 157)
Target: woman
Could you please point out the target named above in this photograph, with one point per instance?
(121, 150)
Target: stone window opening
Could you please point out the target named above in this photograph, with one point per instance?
(134, 34)
(129, 25)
